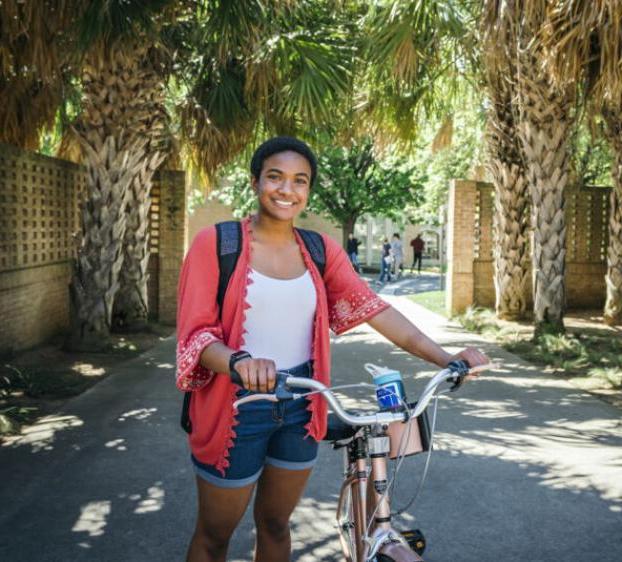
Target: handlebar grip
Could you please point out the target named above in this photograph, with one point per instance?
(461, 368)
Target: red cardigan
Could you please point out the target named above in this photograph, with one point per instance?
(343, 301)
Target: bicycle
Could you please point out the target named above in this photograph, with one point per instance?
(364, 511)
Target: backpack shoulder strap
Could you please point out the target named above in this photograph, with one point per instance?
(315, 246)
(229, 247)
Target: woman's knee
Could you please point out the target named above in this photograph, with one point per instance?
(276, 528)
(213, 540)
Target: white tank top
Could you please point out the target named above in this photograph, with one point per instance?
(279, 322)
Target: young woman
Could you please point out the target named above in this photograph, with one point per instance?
(278, 309)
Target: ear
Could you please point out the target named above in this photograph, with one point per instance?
(254, 184)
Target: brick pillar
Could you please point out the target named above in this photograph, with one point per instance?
(460, 245)
(173, 233)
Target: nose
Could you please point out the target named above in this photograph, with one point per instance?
(286, 185)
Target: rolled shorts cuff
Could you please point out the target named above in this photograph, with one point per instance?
(291, 465)
(224, 482)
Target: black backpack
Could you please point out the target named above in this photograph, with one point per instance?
(229, 244)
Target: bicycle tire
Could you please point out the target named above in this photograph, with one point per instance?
(351, 517)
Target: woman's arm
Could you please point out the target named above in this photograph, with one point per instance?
(399, 330)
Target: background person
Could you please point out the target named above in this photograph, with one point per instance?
(418, 246)
(353, 251)
(398, 255)
(386, 261)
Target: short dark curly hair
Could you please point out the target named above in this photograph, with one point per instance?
(282, 144)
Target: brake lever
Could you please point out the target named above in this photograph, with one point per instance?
(281, 392)
(280, 389)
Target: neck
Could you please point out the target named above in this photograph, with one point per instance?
(267, 229)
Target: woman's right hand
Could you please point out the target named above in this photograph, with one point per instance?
(258, 375)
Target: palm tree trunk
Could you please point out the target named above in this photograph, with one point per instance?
(131, 307)
(546, 120)
(613, 303)
(99, 257)
(114, 147)
(511, 219)
(119, 99)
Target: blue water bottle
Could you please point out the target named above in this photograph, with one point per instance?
(390, 391)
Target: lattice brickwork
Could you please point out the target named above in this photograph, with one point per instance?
(470, 240)
(586, 224)
(38, 209)
(39, 231)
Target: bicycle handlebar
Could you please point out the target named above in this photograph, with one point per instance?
(455, 372)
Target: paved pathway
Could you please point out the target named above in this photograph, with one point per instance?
(526, 467)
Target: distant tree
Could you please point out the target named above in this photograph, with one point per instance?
(356, 181)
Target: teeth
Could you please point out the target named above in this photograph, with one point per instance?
(283, 203)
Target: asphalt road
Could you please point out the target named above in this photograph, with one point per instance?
(526, 467)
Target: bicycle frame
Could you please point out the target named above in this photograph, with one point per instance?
(362, 497)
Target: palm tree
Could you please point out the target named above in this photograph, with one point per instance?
(511, 219)
(612, 115)
(121, 131)
(585, 47)
(546, 118)
(274, 67)
(35, 59)
(408, 65)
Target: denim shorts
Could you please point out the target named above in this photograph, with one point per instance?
(267, 433)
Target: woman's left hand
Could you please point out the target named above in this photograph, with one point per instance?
(474, 357)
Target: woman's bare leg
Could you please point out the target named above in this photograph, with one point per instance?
(278, 492)
(220, 511)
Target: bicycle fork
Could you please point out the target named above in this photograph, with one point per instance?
(359, 502)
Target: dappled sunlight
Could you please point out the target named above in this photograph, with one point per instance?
(139, 414)
(356, 402)
(531, 382)
(153, 501)
(165, 366)
(315, 518)
(88, 369)
(492, 409)
(355, 336)
(42, 434)
(574, 455)
(117, 444)
(93, 519)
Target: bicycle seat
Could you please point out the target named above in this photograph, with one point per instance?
(338, 430)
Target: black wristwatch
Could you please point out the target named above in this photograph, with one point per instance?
(238, 356)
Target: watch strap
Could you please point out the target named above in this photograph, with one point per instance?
(238, 356)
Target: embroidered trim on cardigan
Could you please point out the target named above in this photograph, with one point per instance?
(349, 312)
(190, 374)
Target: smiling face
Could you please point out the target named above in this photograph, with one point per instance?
(283, 185)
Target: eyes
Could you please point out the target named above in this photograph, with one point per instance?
(277, 178)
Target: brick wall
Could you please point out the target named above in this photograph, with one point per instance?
(39, 205)
(172, 243)
(470, 245)
(213, 212)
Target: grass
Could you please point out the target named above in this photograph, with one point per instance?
(593, 358)
(432, 300)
